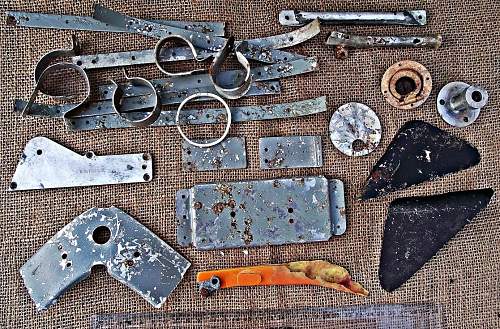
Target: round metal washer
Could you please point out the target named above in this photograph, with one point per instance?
(355, 129)
(408, 70)
(459, 118)
(198, 95)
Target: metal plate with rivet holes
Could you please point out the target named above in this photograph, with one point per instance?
(229, 154)
(290, 152)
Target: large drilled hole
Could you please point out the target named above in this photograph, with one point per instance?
(405, 85)
(358, 145)
(101, 235)
(476, 96)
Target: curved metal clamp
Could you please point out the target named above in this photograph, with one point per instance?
(117, 97)
(159, 47)
(199, 95)
(241, 89)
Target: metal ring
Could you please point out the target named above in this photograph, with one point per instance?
(118, 95)
(198, 95)
(159, 47)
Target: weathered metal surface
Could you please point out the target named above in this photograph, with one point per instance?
(459, 103)
(132, 254)
(45, 164)
(229, 154)
(254, 51)
(85, 23)
(134, 103)
(417, 227)
(407, 17)
(147, 56)
(355, 129)
(205, 116)
(290, 152)
(419, 152)
(406, 85)
(256, 213)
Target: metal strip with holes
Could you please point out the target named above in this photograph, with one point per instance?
(290, 152)
(207, 116)
(86, 23)
(258, 213)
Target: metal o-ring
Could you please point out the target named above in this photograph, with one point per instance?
(210, 95)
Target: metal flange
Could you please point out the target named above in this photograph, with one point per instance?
(459, 103)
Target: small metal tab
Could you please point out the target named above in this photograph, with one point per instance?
(290, 152)
(229, 154)
(132, 254)
(355, 129)
(45, 164)
(257, 213)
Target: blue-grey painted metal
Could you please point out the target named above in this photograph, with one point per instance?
(290, 152)
(228, 154)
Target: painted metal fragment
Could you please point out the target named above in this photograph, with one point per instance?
(355, 129)
(229, 154)
(44, 164)
(315, 272)
(132, 254)
(290, 152)
(419, 152)
(418, 227)
(256, 213)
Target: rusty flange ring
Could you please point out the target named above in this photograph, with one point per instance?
(406, 85)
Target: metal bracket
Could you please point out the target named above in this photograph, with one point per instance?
(229, 154)
(290, 152)
(257, 213)
(132, 254)
(45, 164)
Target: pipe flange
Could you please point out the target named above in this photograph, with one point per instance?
(118, 97)
(459, 103)
(406, 85)
(200, 95)
(159, 47)
(355, 129)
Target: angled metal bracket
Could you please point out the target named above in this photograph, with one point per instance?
(258, 213)
(132, 254)
(45, 164)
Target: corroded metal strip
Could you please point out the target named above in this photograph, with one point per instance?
(256, 213)
(207, 116)
(45, 164)
(290, 152)
(132, 254)
(85, 23)
(229, 154)
(365, 41)
(136, 103)
(407, 17)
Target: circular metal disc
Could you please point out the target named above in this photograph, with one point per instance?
(355, 129)
(454, 118)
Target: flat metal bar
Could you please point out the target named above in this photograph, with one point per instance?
(137, 103)
(86, 23)
(365, 41)
(290, 152)
(147, 56)
(229, 154)
(255, 213)
(407, 17)
(44, 164)
(206, 116)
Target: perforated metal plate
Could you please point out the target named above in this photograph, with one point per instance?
(229, 154)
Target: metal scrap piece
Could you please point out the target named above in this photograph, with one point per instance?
(257, 213)
(290, 152)
(45, 164)
(229, 154)
(206, 116)
(355, 129)
(132, 254)
(418, 227)
(407, 17)
(419, 152)
(86, 23)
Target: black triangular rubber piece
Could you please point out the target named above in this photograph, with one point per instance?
(419, 152)
(416, 228)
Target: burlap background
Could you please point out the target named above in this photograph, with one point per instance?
(463, 276)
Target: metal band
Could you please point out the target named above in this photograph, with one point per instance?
(159, 47)
(228, 118)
